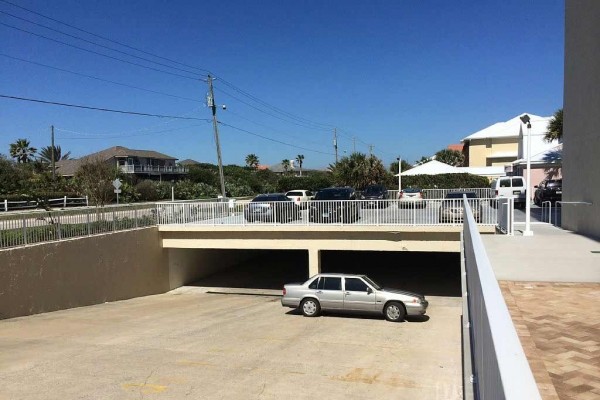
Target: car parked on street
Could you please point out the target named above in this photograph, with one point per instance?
(351, 293)
(452, 207)
(548, 190)
(300, 197)
(336, 204)
(411, 197)
(509, 187)
(274, 207)
(374, 196)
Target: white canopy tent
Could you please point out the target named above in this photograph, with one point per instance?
(432, 168)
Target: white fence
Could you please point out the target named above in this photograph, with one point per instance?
(63, 202)
(506, 215)
(339, 212)
(499, 367)
(18, 229)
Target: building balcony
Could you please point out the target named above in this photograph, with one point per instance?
(152, 169)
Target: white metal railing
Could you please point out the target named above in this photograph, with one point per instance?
(129, 168)
(18, 229)
(58, 202)
(499, 366)
(506, 215)
(339, 212)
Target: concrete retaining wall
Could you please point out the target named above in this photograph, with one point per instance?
(93, 270)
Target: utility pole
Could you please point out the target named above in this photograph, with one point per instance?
(371, 150)
(354, 144)
(213, 105)
(52, 148)
(335, 147)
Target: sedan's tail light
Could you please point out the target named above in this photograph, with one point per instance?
(284, 291)
(401, 195)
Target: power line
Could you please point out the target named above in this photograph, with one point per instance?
(101, 109)
(103, 37)
(275, 140)
(98, 53)
(95, 43)
(100, 79)
(121, 136)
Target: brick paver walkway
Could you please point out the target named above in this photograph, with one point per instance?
(559, 328)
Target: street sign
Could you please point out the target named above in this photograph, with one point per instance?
(117, 191)
(117, 184)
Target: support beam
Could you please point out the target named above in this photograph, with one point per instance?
(314, 262)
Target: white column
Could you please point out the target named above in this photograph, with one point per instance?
(314, 262)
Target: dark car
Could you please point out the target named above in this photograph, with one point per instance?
(274, 207)
(334, 205)
(374, 196)
(452, 209)
(548, 190)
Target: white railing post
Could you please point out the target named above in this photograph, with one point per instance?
(65, 202)
(6, 205)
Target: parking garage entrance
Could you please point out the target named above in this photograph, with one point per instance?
(430, 273)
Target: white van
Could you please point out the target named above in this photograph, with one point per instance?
(510, 186)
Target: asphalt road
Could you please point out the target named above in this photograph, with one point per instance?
(190, 344)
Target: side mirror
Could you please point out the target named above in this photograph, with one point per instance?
(369, 290)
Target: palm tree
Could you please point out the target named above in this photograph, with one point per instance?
(300, 159)
(252, 161)
(46, 154)
(555, 127)
(21, 151)
(359, 170)
(450, 157)
(285, 163)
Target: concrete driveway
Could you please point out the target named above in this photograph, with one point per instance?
(192, 344)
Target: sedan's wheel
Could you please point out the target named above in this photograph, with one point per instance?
(394, 312)
(310, 307)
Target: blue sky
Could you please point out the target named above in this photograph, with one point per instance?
(408, 77)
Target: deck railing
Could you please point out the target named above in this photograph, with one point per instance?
(23, 228)
(499, 367)
(339, 212)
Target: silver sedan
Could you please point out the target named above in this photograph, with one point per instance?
(352, 293)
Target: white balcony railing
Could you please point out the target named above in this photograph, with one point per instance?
(338, 212)
(133, 169)
(497, 367)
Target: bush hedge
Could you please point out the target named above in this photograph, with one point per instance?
(310, 182)
(445, 181)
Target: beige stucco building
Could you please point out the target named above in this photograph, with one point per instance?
(504, 142)
(581, 124)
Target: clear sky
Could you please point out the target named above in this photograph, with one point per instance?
(408, 77)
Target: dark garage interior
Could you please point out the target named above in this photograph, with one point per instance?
(429, 273)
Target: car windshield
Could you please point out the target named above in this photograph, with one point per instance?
(374, 189)
(554, 183)
(459, 195)
(339, 194)
(411, 190)
(372, 282)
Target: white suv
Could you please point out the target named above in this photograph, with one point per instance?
(301, 197)
(510, 186)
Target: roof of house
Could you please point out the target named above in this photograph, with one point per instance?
(67, 167)
(456, 146)
(511, 128)
(188, 162)
(550, 156)
(120, 151)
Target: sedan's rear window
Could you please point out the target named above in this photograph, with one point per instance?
(294, 194)
(271, 198)
(411, 190)
(332, 283)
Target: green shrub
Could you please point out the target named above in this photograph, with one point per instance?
(445, 181)
(310, 182)
(147, 190)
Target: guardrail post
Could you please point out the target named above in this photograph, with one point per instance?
(89, 232)
(65, 202)
(24, 230)
(86, 201)
(58, 230)
(6, 205)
